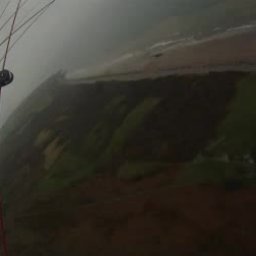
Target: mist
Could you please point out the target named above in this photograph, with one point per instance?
(78, 34)
(71, 35)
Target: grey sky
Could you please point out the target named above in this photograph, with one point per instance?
(40, 52)
(74, 34)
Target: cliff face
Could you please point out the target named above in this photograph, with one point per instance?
(93, 169)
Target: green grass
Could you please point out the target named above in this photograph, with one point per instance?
(100, 134)
(96, 140)
(66, 171)
(237, 134)
(70, 168)
(114, 104)
(139, 170)
(236, 139)
(132, 121)
(213, 171)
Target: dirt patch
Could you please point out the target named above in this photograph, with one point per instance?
(200, 220)
(150, 217)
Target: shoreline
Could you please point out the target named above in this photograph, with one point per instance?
(230, 51)
(138, 75)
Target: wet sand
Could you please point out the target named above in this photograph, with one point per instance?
(224, 52)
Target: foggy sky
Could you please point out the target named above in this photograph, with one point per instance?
(70, 35)
(40, 53)
(74, 34)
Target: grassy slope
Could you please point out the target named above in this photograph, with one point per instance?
(230, 158)
(127, 132)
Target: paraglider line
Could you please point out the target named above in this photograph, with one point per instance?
(10, 35)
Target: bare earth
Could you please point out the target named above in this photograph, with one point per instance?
(228, 51)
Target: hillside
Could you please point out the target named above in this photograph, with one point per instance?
(161, 166)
